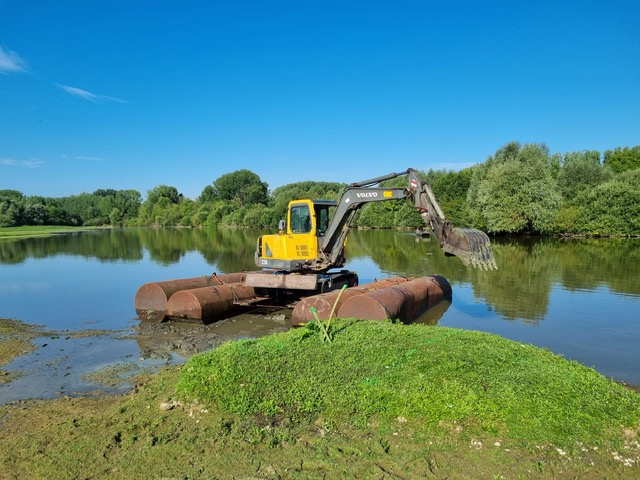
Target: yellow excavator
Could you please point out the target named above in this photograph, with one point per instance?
(312, 240)
(303, 261)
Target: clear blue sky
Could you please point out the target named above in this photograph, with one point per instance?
(136, 94)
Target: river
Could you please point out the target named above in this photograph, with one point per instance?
(579, 298)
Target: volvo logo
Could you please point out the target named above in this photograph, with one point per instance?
(367, 195)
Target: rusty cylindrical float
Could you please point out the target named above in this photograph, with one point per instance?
(152, 297)
(207, 304)
(404, 301)
(324, 302)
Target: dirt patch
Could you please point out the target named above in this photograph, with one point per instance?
(162, 340)
(15, 340)
(9, 326)
(39, 363)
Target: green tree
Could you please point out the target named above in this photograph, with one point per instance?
(91, 209)
(379, 214)
(161, 207)
(242, 187)
(391, 214)
(13, 194)
(186, 210)
(451, 188)
(235, 218)
(11, 212)
(282, 195)
(36, 214)
(514, 191)
(258, 215)
(128, 203)
(407, 217)
(612, 208)
(581, 171)
(622, 159)
(115, 217)
(156, 194)
(219, 211)
(208, 195)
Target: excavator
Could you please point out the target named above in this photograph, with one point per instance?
(306, 256)
(312, 241)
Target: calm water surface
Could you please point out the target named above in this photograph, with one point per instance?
(578, 298)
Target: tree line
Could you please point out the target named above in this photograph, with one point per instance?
(518, 189)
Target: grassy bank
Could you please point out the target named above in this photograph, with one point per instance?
(379, 401)
(38, 230)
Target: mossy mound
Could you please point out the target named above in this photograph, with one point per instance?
(437, 378)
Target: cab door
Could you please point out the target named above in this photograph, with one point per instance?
(302, 230)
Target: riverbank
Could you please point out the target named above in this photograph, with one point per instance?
(380, 400)
(40, 230)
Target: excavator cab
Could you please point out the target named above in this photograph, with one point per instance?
(295, 247)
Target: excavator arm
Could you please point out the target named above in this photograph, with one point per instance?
(470, 245)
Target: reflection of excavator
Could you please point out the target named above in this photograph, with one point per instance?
(302, 260)
(313, 242)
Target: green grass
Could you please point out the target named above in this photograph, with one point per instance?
(434, 377)
(37, 230)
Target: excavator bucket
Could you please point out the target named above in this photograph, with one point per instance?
(471, 246)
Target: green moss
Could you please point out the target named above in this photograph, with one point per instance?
(15, 340)
(431, 376)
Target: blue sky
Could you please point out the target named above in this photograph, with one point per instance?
(136, 94)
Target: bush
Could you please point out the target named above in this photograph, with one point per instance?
(612, 208)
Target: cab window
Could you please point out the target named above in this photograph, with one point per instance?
(300, 219)
(322, 217)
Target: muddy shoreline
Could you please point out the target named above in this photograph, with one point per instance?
(39, 363)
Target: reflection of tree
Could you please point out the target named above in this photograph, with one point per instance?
(232, 250)
(166, 246)
(399, 253)
(13, 251)
(104, 245)
(521, 286)
(528, 267)
(519, 289)
(590, 263)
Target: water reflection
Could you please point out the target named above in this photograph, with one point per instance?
(529, 268)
